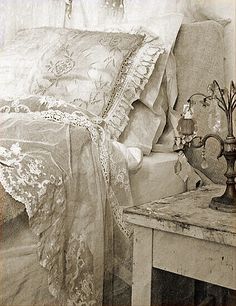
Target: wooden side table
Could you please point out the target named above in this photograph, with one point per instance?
(181, 234)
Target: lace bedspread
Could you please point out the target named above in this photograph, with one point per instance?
(58, 161)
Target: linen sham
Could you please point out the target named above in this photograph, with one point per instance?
(145, 126)
(150, 126)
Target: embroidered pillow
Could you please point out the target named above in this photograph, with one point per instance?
(101, 72)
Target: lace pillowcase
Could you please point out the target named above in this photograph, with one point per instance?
(101, 72)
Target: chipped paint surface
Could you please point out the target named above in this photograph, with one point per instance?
(188, 214)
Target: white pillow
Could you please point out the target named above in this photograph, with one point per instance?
(166, 27)
(93, 13)
(143, 10)
(144, 127)
(200, 10)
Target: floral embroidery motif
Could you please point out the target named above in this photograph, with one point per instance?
(29, 172)
(63, 66)
(110, 40)
(119, 175)
(58, 70)
(15, 149)
(80, 276)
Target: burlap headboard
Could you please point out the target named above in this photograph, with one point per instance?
(199, 53)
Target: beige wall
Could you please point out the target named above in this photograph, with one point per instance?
(227, 9)
(195, 10)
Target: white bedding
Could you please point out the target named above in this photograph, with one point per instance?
(21, 269)
(156, 178)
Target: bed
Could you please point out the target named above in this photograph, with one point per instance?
(77, 232)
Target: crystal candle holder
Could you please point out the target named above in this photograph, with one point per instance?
(225, 100)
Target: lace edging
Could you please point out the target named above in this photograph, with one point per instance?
(130, 86)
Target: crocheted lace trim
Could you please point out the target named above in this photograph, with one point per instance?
(134, 75)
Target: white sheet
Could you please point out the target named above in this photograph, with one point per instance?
(156, 178)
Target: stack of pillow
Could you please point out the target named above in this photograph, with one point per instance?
(125, 74)
(109, 72)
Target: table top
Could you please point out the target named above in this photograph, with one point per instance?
(187, 214)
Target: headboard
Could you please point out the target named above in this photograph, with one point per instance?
(199, 52)
(222, 11)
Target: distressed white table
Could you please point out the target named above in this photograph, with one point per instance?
(181, 234)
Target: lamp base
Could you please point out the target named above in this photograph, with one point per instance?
(223, 203)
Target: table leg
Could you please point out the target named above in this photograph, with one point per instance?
(142, 266)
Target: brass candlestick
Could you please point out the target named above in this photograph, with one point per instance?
(226, 101)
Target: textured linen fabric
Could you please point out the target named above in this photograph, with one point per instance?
(154, 129)
(199, 53)
(143, 127)
(165, 141)
(167, 27)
